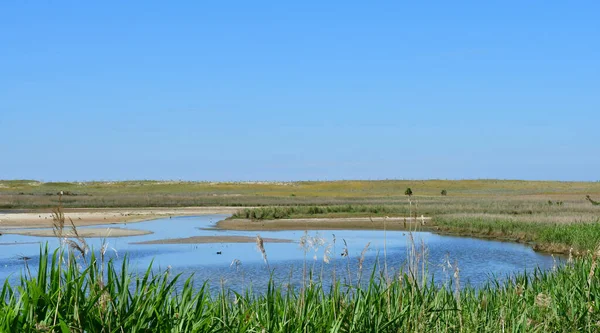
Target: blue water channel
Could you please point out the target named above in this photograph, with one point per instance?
(241, 265)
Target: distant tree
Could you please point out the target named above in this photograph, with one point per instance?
(408, 192)
(444, 192)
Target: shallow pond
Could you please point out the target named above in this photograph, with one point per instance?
(477, 259)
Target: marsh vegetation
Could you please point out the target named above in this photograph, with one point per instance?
(75, 289)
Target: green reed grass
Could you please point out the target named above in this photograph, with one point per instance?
(264, 213)
(66, 297)
(554, 237)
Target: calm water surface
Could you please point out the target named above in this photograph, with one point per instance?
(477, 259)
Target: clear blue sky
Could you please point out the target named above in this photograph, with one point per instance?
(254, 90)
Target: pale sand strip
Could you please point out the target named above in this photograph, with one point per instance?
(214, 239)
(86, 216)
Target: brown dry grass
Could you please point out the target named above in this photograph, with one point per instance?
(31, 194)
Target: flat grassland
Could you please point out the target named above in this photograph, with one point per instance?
(26, 194)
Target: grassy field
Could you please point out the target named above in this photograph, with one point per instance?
(32, 194)
(566, 236)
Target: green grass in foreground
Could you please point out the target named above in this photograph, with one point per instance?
(64, 297)
(550, 237)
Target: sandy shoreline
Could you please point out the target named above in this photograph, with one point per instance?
(214, 239)
(347, 223)
(83, 232)
(95, 216)
(19, 222)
